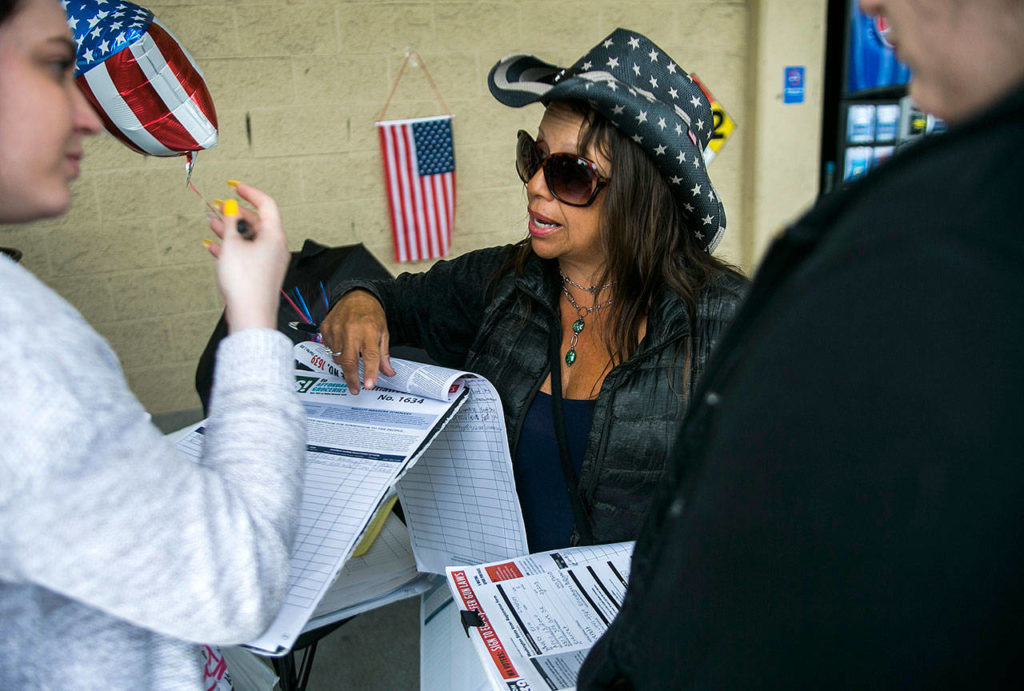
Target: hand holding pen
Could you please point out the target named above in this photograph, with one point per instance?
(230, 208)
(250, 266)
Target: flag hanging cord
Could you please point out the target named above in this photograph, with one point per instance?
(417, 61)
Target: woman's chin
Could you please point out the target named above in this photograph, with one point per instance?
(38, 208)
(56, 205)
(543, 247)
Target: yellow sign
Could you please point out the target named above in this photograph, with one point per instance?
(724, 125)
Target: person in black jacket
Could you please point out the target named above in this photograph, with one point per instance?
(846, 501)
(614, 292)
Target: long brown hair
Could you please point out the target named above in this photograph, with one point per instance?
(644, 234)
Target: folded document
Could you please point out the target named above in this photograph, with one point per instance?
(359, 447)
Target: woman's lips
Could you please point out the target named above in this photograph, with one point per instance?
(541, 226)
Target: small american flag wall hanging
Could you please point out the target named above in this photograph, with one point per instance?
(419, 177)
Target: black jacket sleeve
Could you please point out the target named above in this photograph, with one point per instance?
(439, 310)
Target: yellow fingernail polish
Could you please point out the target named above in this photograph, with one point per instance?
(218, 202)
(230, 207)
(207, 242)
(233, 183)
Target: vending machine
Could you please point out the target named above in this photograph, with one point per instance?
(867, 115)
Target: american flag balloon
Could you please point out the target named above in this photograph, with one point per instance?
(147, 89)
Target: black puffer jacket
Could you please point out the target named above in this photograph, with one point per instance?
(465, 319)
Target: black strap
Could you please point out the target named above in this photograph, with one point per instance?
(568, 472)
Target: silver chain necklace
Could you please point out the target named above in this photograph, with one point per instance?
(577, 326)
(593, 290)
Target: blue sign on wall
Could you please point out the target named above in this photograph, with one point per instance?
(793, 88)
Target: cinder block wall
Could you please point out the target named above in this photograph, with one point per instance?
(297, 86)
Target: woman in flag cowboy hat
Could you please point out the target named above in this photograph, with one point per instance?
(120, 554)
(596, 326)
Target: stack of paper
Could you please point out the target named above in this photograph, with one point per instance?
(385, 574)
(533, 619)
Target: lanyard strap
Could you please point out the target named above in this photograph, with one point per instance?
(568, 472)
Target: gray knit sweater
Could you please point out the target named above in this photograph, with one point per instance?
(117, 553)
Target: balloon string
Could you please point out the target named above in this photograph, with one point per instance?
(190, 163)
(209, 206)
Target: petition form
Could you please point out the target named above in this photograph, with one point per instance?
(460, 497)
(533, 619)
(356, 449)
(385, 574)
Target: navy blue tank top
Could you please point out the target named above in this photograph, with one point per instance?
(540, 484)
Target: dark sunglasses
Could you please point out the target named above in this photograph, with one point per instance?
(571, 179)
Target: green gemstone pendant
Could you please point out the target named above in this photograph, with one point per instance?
(570, 357)
(577, 325)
